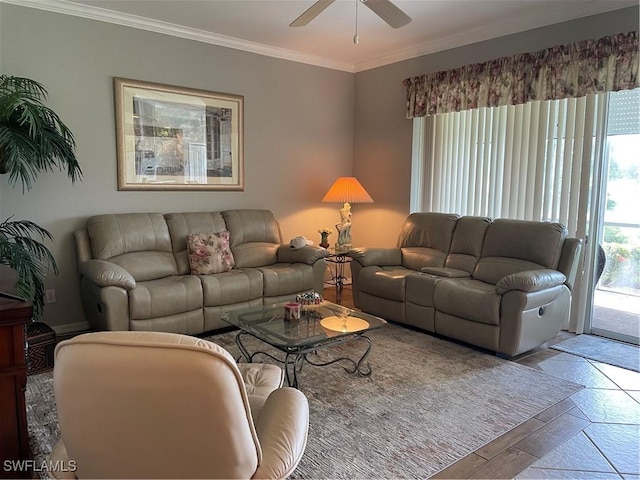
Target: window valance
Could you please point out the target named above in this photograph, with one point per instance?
(573, 70)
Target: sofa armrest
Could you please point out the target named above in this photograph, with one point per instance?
(570, 260)
(282, 429)
(309, 254)
(376, 256)
(107, 274)
(530, 281)
(446, 272)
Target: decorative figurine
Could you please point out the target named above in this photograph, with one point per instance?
(324, 236)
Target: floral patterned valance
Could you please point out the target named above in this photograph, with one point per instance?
(574, 70)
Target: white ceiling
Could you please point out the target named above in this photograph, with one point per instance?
(262, 26)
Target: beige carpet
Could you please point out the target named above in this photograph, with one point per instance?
(428, 403)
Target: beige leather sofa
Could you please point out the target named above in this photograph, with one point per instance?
(135, 273)
(162, 405)
(503, 285)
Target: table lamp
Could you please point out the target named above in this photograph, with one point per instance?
(346, 190)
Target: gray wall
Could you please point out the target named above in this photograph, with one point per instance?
(298, 129)
(382, 158)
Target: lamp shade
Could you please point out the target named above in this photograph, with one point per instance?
(347, 190)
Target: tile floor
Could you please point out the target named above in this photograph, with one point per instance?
(594, 434)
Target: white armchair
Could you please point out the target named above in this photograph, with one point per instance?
(162, 405)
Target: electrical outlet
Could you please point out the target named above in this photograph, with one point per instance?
(50, 296)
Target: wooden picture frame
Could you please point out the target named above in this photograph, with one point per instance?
(176, 138)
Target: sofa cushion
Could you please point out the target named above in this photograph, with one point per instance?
(512, 246)
(209, 253)
(432, 230)
(255, 237)
(287, 278)
(425, 239)
(417, 258)
(116, 234)
(164, 297)
(446, 272)
(252, 226)
(420, 288)
(255, 254)
(138, 242)
(384, 282)
(231, 287)
(144, 266)
(467, 298)
(494, 269)
(182, 224)
(467, 242)
(537, 242)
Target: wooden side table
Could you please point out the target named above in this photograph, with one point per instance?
(14, 437)
(339, 259)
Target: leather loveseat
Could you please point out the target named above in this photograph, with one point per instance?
(502, 285)
(135, 272)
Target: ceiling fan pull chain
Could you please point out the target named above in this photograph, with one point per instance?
(356, 38)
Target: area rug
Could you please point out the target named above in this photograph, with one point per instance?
(428, 403)
(603, 350)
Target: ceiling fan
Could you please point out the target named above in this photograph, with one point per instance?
(386, 10)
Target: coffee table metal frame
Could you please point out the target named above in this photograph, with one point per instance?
(299, 350)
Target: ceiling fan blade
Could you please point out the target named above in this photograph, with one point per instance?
(312, 12)
(388, 12)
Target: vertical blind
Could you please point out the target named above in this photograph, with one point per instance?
(524, 161)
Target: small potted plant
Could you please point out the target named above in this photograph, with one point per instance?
(324, 236)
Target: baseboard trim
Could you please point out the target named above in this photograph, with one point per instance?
(71, 328)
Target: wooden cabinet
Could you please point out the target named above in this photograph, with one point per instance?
(14, 438)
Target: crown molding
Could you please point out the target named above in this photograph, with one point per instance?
(158, 26)
(486, 32)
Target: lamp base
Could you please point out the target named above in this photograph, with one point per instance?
(342, 248)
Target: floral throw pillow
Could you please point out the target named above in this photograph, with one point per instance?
(209, 253)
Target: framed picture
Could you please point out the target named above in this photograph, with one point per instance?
(174, 138)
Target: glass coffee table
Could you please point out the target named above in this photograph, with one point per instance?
(320, 326)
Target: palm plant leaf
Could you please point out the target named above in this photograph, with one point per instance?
(16, 144)
(28, 257)
(30, 274)
(33, 138)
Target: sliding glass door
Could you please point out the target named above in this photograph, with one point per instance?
(616, 298)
